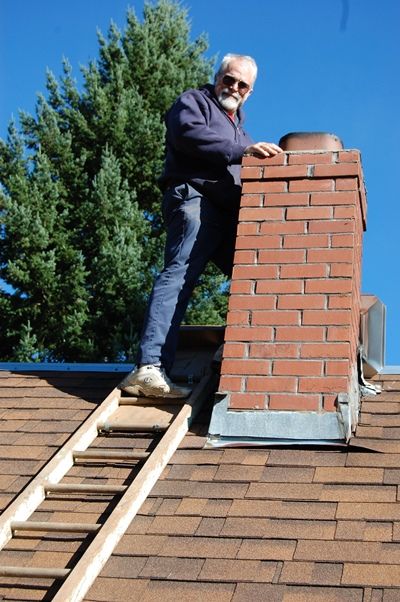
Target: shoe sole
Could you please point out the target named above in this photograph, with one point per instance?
(140, 391)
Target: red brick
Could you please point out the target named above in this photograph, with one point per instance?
(302, 301)
(268, 384)
(279, 159)
(283, 227)
(325, 384)
(309, 213)
(245, 257)
(339, 333)
(254, 271)
(274, 318)
(337, 285)
(316, 270)
(310, 158)
(337, 367)
(336, 169)
(341, 270)
(339, 302)
(236, 318)
(292, 402)
(252, 302)
(236, 333)
(252, 200)
(249, 214)
(230, 383)
(246, 228)
(282, 256)
(345, 212)
(306, 241)
(329, 316)
(346, 184)
(329, 403)
(242, 287)
(256, 242)
(251, 173)
(334, 198)
(286, 200)
(297, 367)
(331, 255)
(342, 240)
(271, 350)
(331, 226)
(261, 186)
(350, 156)
(269, 242)
(235, 350)
(279, 286)
(245, 366)
(323, 350)
(310, 185)
(245, 401)
(286, 171)
(300, 333)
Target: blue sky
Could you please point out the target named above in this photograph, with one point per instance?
(324, 65)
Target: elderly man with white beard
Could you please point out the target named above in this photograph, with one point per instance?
(205, 143)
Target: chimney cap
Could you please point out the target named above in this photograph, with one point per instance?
(306, 141)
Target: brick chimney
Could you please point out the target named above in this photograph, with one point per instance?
(289, 369)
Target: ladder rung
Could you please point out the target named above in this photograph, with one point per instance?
(99, 454)
(151, 401)
(49, 526)
(24, 571)
(82, 488)
(131, 426)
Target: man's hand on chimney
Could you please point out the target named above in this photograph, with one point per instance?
(263, 149)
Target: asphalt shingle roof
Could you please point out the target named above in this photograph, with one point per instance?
(233, 524)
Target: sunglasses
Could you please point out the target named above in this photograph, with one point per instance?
(228, 80)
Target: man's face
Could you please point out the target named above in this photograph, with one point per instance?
(234, 85)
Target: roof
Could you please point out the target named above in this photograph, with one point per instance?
(233, 524)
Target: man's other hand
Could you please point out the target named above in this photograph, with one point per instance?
(263, 149)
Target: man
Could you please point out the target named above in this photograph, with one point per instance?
(205, 144)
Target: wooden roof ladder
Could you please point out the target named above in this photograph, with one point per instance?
(160, 425)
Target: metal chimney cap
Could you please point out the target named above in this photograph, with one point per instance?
(306, 141)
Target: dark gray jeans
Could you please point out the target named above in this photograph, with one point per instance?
(197, 231)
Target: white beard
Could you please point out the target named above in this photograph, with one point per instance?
(228, 102)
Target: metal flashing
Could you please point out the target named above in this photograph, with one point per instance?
(372, 334)
(265, 426)
(390, 370)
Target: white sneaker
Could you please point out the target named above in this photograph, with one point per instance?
(151, 381)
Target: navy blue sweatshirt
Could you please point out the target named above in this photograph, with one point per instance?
(204, 147)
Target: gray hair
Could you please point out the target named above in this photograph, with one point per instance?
(236, 57)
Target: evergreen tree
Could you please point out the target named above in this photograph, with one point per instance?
(81, 232)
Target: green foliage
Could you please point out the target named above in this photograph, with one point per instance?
(80, 227)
